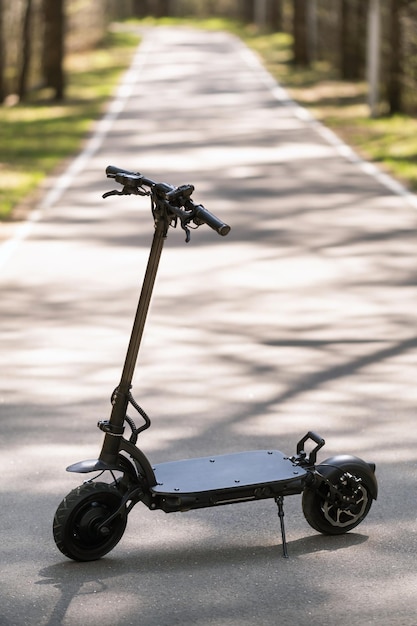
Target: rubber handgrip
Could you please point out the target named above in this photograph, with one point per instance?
(211, 220)
(316, 438)
(112, 171)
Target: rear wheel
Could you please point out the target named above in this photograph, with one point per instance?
(336, 505)
(80, 528)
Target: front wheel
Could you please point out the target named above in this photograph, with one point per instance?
(80, 528)
(341, 499)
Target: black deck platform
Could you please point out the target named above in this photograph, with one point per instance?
(226, 472)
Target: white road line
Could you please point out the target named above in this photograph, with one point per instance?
(282, 96)
(103, 127)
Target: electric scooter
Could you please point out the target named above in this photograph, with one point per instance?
(337, 494)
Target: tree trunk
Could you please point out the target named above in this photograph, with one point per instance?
(373, 55)
(300, 33)
(312, 30)
(261, 12)
(157, 8)
(140, 8)
(352, 21)
(53, 46)
(2, 51)
(160, 8)
(26, 51)
(344, 38)
(395, 63)
(275, 15)
(247, 11)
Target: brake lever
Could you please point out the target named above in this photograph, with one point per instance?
(115, 192)
(186, 230)
(181, 216)
(126, 191)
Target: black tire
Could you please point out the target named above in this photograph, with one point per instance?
(78, 517)
(338, 515)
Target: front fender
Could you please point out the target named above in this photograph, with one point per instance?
(140, 464)
(97, 465)
(348, 463)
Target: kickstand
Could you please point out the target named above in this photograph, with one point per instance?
(280, 503)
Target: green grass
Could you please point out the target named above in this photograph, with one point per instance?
(392, 142)
(38, 135)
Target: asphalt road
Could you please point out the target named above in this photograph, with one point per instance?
(304, 317)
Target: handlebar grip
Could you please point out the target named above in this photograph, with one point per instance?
(211, 220)
(112, 171)
(316, 438)
(126, 177)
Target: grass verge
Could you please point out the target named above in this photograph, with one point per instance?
(37, 135)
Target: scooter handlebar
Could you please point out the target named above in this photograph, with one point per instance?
(200, 214)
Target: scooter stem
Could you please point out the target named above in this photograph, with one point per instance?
(143, 305)
(111, 442)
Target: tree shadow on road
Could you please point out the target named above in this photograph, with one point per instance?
(80, 579)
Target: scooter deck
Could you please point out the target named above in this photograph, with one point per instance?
(229, 472)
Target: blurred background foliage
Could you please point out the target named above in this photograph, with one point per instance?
(36, 36)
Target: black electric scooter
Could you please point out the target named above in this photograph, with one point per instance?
(337, 494)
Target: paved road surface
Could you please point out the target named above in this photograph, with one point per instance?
(303, 318)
